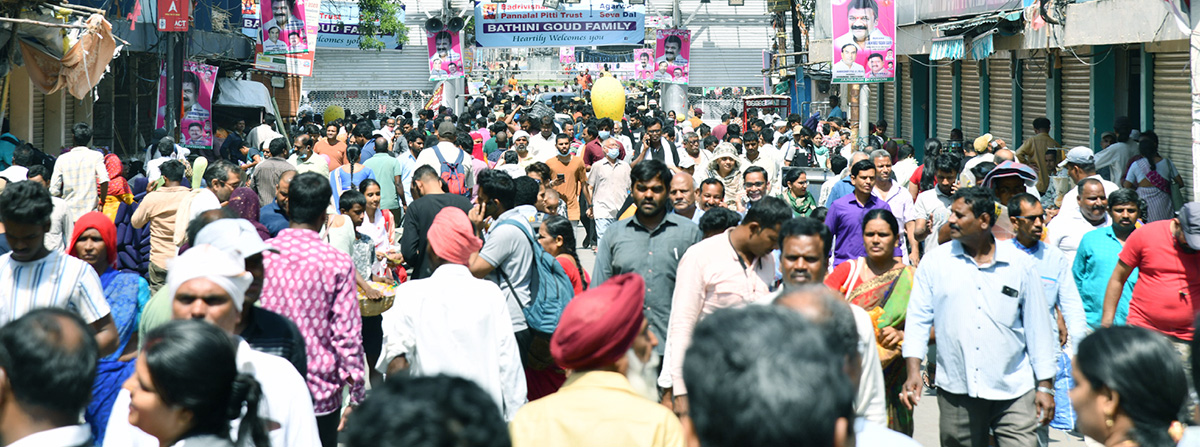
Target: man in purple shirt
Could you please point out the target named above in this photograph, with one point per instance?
(845, 214)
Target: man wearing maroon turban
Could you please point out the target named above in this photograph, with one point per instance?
(452, 323)
(600, 334)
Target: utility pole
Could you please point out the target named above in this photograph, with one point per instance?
(674, 96)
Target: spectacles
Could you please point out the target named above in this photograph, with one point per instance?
(1032, 218)
(756, 184)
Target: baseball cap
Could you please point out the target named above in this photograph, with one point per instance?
(234, 236)
(696, 111)
(1189, 220)
(686, 162)
(1080, 155)
(981, 143)
(446, 128)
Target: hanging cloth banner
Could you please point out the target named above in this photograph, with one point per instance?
(526, 23)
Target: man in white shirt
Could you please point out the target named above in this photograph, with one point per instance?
(76, 174)
(204, 281)
(466, 333)
(932, 206)
(263, 133)
(61, 225)
(1067, 229)
(756, 157)
(1114, 158)
(900, 202)
(610, 183)
(1080, 164)
(541, 144)
(44, 398)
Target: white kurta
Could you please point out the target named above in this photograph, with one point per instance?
(453, 323)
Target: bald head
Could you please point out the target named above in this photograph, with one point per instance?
(683, 193)
(1003, 155)
(821, 305)
(281, 189)
(858, 156)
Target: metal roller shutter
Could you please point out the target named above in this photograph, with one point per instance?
(945, 101)
(906, 118)
(1076, 102)
(970, 102)
(1033, 95)
(68, 118)
(38, 111)
(1000, 97)
(889, 103)
(1172, 112)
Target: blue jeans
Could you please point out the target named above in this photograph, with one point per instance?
(601, 225)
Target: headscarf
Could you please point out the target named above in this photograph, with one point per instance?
(117, 186)
(206, 261)
(452, 237)
(108, 232)
(477, 147)
(244, 201)
(599, 325)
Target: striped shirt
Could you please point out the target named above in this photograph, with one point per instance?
(76, 177)
(57, 280)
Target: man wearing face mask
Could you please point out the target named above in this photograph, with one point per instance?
(609, 181)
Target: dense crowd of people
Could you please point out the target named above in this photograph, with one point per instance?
(409, 280)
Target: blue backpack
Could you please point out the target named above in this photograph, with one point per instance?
(549, 287)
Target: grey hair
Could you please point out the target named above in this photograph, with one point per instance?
(690, 135)
(878, 153)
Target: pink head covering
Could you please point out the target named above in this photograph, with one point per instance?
(452, 237)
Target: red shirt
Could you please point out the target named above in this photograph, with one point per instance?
(573, 272)
(1168, 281)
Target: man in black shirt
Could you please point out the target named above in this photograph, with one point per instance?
(429, 197)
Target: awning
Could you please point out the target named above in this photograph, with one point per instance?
(239, 93)
(948, 48)
(1011, 16)
(982, 46)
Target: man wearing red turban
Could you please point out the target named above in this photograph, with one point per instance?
(601, 333)
(452, 323)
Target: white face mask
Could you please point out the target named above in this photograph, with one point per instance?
(613, 153)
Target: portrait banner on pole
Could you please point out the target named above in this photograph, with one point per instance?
(196, 104)
(445, 55)
(864, 48)
(671, 53)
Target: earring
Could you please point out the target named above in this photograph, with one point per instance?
(1108, 421)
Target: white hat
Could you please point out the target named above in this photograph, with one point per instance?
(206, 261)
(520, 134)
(1080, 155)
(235, 236)
(686, 162)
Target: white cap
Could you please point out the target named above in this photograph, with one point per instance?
(234, 236)
(1080, 155)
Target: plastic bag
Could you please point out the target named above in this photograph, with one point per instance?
(1064, 413)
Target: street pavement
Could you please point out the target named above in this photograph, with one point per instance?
(926, 414)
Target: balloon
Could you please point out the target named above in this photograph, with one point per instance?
(334, 113)
(608, 98)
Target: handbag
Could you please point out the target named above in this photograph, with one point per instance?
(1177, 199)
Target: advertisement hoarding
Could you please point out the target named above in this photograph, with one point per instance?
(671, 53)
(526, 23)
(445, 55)
(196, 104)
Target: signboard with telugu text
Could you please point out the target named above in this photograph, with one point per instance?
(526, 23)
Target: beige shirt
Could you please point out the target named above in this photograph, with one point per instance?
(158, 209)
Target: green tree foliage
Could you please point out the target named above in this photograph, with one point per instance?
(377, 18)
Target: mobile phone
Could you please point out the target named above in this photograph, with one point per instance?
(561, 177)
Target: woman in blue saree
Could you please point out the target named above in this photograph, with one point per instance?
(94, 240)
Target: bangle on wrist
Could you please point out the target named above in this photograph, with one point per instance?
(1042, 389)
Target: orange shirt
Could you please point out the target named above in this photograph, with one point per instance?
(335, 153)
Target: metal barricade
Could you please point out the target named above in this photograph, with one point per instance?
(360, 101)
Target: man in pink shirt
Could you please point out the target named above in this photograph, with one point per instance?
(729, 270)
(312, 283)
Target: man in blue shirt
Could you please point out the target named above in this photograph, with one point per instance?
(995, 341)
(844, 187)
(1097, 256)
(274, 215)
(846, 214)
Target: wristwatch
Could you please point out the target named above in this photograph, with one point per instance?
(1042, 389)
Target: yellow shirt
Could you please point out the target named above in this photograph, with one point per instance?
(1033, 153)
(595, 408)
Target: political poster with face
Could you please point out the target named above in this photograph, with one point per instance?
(445, 55)
(284, 28)
(671, 55)
(863, 43)
(300, 63)
(643, 65)
(195, 109)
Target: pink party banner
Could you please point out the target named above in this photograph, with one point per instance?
(864, 47)
(196, 104)
(671, 53)
(445, 55)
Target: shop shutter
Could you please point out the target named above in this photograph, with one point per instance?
(889, 105)
(1033, 95)
(68, 119)
(38, 111)
(1172, 112)
(945, 101)
(906, 118)
(1000, 98)
(1076, 104)
(970, 102)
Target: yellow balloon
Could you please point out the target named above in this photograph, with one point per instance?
(608, 98)
(333, 113)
